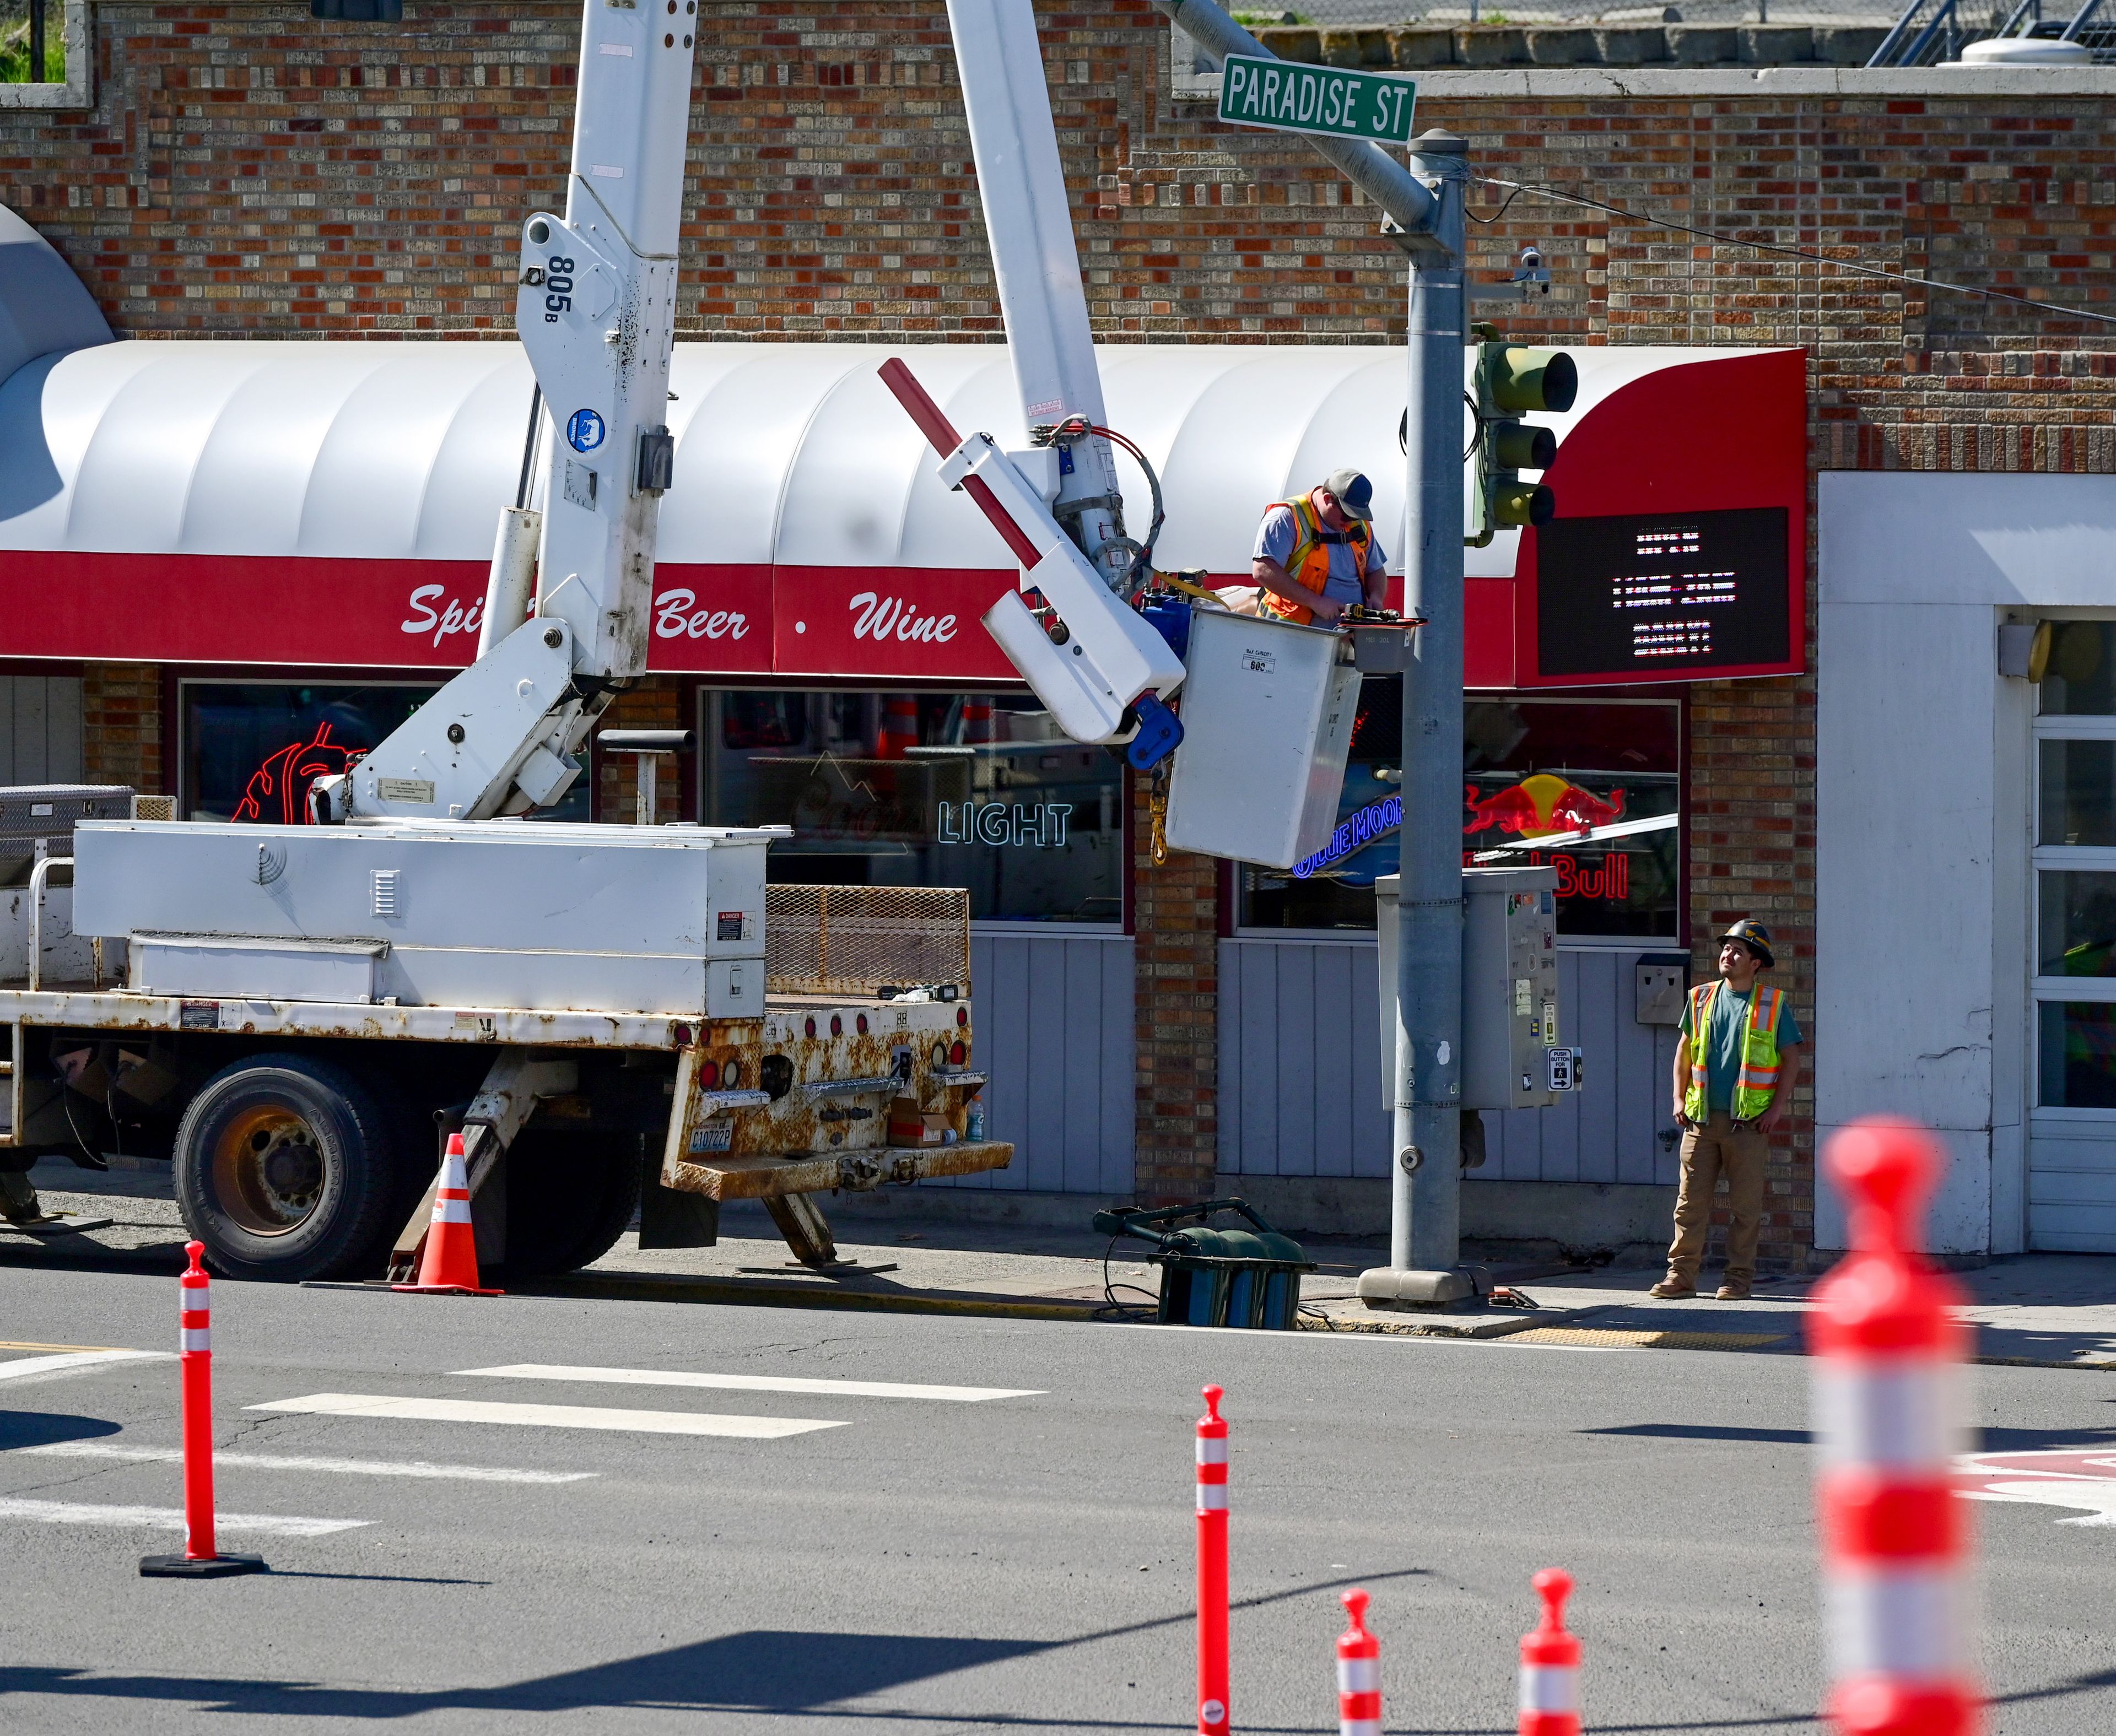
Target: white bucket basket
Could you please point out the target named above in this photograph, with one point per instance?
(1267, 712)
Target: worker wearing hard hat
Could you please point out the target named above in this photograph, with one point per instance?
(1316, 556)
(1736, 1065)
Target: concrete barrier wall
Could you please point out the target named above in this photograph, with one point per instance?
(1409, 47)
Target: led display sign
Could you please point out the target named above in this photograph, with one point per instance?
(1648, 598)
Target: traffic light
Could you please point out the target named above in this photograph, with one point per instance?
(1512, 381)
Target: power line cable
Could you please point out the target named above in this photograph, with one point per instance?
(1561, 197)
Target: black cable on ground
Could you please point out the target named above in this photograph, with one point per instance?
(1127, 1311)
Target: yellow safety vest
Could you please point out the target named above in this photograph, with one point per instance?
(1308, 565)
(1758, 1081)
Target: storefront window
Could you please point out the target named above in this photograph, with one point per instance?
(2079, 680)
(923, 789)
(1591, 787)
(2078, 1055)
(250, 750)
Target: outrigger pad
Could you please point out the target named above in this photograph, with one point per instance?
(808, 1231)
(212, 1567)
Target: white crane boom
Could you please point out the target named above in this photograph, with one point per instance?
(596, 309)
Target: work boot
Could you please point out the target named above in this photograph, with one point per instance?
(1734, 1289)
(1673, 1287)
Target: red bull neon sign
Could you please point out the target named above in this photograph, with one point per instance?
(1377, 820)
(1541, 807)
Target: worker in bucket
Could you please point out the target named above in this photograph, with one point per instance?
(1735, 1066)
(1316, 557)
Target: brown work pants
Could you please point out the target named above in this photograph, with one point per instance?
(1708, 1152)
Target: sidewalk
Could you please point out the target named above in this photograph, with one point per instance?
(2036, 1309)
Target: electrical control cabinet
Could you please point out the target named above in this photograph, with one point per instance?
(1513, 1055)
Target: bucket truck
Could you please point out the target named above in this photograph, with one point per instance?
(286, 1011)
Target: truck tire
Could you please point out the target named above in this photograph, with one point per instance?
(569, 1197)
(285, 1169)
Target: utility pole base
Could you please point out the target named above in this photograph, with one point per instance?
(1384, 1287)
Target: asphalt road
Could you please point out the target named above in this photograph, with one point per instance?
(933, 1564)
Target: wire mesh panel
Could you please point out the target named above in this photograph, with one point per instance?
(855, 940)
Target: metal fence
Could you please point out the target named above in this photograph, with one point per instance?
(1328, 13)
(30, 50)
(858, 939)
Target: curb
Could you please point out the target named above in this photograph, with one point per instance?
(1439, 1325)
(2100, 1364)
(793, 1295)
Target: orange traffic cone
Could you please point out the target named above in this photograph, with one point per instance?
(448, 1267)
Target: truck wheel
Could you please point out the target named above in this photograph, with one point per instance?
(569, 1197)
(284, 1168)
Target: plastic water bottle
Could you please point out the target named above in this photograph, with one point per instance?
(975, 1131)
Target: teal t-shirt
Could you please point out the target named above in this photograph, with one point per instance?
(1722, 1044)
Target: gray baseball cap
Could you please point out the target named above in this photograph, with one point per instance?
(1354, 493)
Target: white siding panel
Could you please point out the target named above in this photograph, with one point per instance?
(1300, 1076)
(62, 727)
(1054, 1031)
(1335, 1039)
(1293, 1052)
(1371, 1128)
(40, 729)
(25, 699)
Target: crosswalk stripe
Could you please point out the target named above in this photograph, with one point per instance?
(170, 1518)
(295, 1462)
(22, 1365)
(754, 1383)
(544, 1416)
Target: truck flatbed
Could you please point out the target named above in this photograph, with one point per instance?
(85, 1007)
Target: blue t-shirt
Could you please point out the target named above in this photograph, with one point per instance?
(1722, 1044)
(1279, 532)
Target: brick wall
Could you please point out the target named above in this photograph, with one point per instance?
(121, 705)
(246, 170)
(657, 703)
(1175, 1007)
(1752, 854)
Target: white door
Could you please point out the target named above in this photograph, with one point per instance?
(2071, 1121)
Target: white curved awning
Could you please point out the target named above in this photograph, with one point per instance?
(786, 453)
(174, 489)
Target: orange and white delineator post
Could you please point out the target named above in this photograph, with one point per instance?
(1359, 1672)
(1550, 1663)
(448, 1266)
(201, 1558)
(1212, 1713)
(1886, 1393)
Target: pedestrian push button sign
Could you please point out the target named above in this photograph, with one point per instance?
(1288, 97)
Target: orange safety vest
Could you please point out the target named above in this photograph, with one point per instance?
(1758, 1081)
(1308, 565)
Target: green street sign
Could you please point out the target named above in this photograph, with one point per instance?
(1290, 97)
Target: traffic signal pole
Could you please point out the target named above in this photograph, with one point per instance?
(1425, 1215)
(1426, 201)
